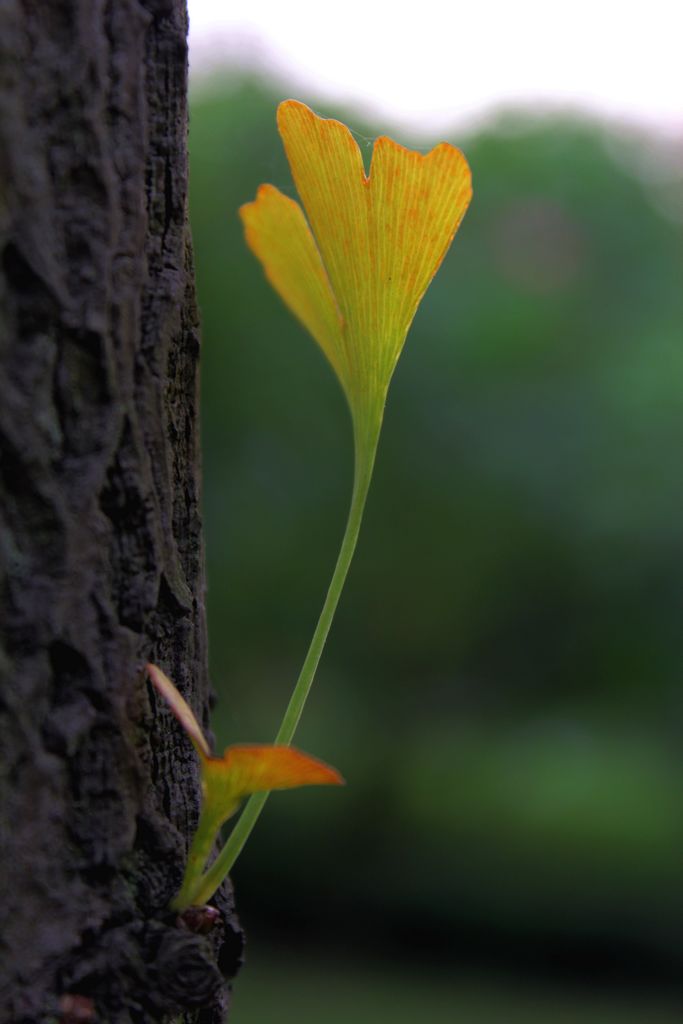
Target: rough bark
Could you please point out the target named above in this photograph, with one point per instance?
(100, 539)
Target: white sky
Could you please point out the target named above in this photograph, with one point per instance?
(440, 63)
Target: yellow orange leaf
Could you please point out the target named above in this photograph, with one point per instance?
(246, 769)
(180, 708)
(277, 232)
(376, 242)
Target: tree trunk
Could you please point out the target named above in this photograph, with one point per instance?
(100, 539)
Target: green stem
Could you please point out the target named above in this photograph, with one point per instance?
(366, 449)
(200, 851)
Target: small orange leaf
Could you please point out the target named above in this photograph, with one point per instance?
(247, 769)
(180, 708)
(243, 770)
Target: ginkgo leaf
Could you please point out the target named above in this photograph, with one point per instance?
(246, 769)
(375, 242)
(226, 780)
(277, 232)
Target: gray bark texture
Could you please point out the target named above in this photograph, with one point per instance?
(100, 533)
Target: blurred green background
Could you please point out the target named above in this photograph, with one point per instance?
(501, 688)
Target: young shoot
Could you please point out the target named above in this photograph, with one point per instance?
(352, 264)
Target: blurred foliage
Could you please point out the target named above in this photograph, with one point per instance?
(275, 988)
(501, 687)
